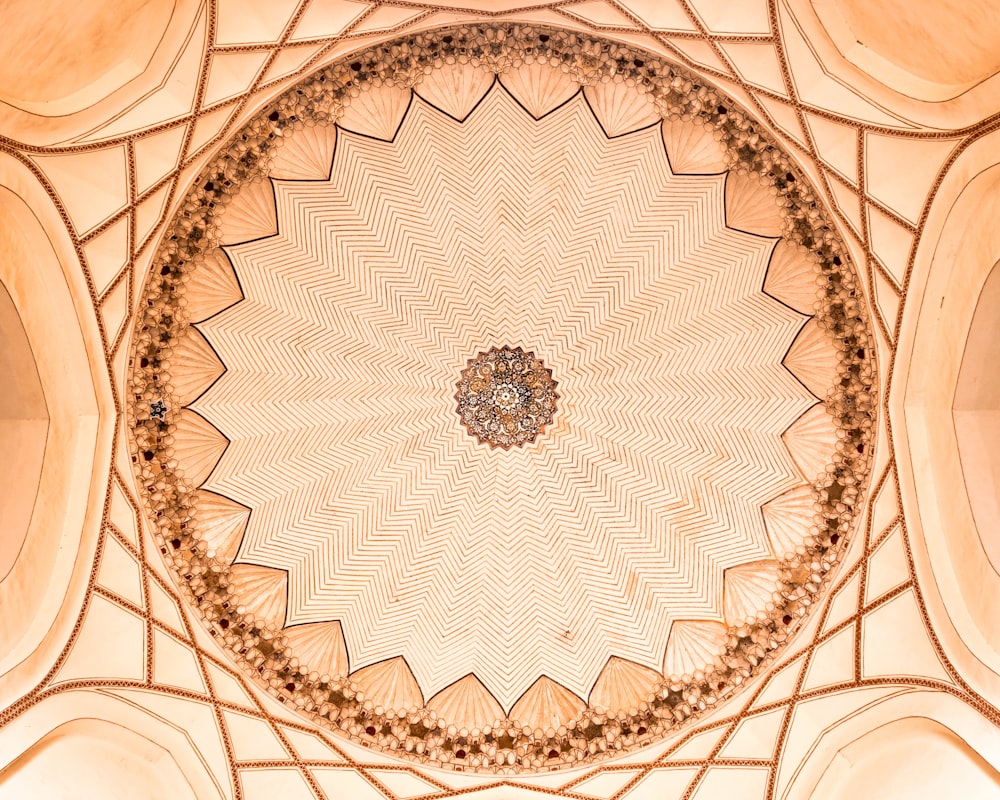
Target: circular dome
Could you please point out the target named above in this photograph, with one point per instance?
(542, 578)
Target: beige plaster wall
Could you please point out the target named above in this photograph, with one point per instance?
(24, 422)
(949, 42)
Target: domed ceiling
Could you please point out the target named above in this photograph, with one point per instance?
(506, 211)
(512, 402)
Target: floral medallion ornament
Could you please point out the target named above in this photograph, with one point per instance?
(506, 397)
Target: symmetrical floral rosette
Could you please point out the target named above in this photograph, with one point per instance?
(506, 397)
(174, 450)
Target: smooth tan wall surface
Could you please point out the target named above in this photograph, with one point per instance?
(977, 416)
(24, 422)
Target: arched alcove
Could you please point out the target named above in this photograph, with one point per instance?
(108, 747)
(954, 262)
(906, 744)
(928, 50)
(61, 61)
(923, 63)
(92, 759)
(78, 66)
(977, 416)
(24, 422)
(59, 500)
(914, 758)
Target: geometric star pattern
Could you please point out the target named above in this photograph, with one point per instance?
(417, 254)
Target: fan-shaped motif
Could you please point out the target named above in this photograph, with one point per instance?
(263, 591)
(813, 359)
(750, 206)
(198, 446)
(539, 87)
(213, 286)
(620, 108)
(455, 88)
(467, 704)
(221, 523)
(193, 366)
(623, 684)
(320, 646)
(389, 684)
(788, 519)
(693, 645)
(811, 441)
(307, 155)
(377, 112)
(791, 277)
(250, 215)
(547, 704)
(692, 149)
(748, 589)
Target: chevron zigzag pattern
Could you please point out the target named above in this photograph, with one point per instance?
(419, 252)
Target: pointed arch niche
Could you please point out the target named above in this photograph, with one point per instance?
(50, 427)
(945, 400)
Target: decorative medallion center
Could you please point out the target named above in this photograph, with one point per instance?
(506, 397)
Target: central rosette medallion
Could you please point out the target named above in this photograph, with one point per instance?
(506, 397)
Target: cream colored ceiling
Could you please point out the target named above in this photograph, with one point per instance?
(100, 632)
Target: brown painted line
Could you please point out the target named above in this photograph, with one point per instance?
(116, 281)
(431, 7)
(505, 783)
(887, 276)
(124, 541)
(875, 310)
(722, 38)
(889, 212)
(886, 533)
(901, 681)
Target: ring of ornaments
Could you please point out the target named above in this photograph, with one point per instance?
(336, 702)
